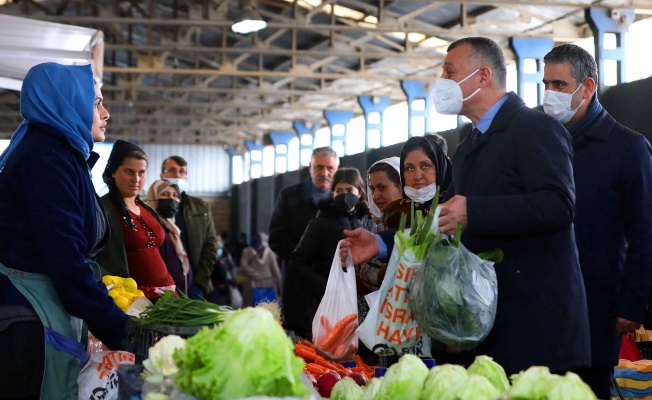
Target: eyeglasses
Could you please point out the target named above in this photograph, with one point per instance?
(181, 171)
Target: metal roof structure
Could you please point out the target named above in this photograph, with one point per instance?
(174, 72)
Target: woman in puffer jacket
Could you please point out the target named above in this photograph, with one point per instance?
(310, 263)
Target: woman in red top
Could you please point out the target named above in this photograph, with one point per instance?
(136, 232)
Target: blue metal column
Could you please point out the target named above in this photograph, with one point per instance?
(306, 137)
(531, 48)
(615, 21)
(417, 90)
(335, 117)
(279, 139)
(369, 105)
(253, 146)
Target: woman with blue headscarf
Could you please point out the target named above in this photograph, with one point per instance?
(51, 227)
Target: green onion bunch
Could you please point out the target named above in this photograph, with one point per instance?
(182, 311)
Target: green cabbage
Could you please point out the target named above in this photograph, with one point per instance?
(346, 389)
(571, 387)
(403, 380)
(475, 387)
(487, 367)
(249, 354)
(371, 390)
(441, 378)
(532, 384)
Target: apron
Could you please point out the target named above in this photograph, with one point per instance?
(64, 354)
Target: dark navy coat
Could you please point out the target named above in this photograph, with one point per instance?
(293, 210)
(48, 226)
(311, 261)
(518, 181)
(613, 228)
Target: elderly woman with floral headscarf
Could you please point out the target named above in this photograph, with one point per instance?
(165, 198)
(136, 232)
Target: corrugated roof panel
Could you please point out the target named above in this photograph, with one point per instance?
(209, 166)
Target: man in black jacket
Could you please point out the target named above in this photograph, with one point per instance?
(296, 205)
(612, 167)
(512, 189)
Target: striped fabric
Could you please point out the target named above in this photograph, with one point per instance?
(634, 379)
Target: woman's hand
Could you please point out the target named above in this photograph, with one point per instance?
(362, 244)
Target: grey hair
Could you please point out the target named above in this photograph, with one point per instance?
(325, 152)
(581, 62)
(486, 51)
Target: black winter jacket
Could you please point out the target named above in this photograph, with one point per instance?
(311, 261)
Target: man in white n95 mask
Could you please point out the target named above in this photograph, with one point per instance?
(612, 166)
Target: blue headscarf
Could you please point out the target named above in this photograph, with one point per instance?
(61, 97)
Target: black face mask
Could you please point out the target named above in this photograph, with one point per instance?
(168, 207)
(346, 201)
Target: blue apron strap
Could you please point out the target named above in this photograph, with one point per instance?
(67, 345)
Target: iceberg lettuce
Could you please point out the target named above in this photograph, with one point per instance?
(475, 387)
(247, 355)
(346, 389)
(403, 380)
(487, 367)
(441, 378)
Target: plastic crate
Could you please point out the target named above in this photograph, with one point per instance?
(150, 335)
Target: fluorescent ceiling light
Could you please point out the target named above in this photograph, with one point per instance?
(249, 21)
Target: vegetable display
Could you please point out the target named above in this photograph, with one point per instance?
(248, 354)
(483, 380)
(182, 311)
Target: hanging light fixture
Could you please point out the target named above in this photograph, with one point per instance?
(249, 19)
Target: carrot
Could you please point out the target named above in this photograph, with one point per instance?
(340, 350)
(319, 360)
(348, 332)
(325, 324)
(334, 335)
(316, 369)
(307, 343)
(304, 352)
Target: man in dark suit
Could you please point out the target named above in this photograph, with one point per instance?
(296, 205)
(512, 189)
(612, 167)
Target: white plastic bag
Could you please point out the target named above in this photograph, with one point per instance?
(98, 380)
(236, 297)
(390, 327)
(336, 320)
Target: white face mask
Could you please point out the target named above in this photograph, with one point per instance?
(181, 182)
(448, 97)
(422, 195)
(558, 105)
